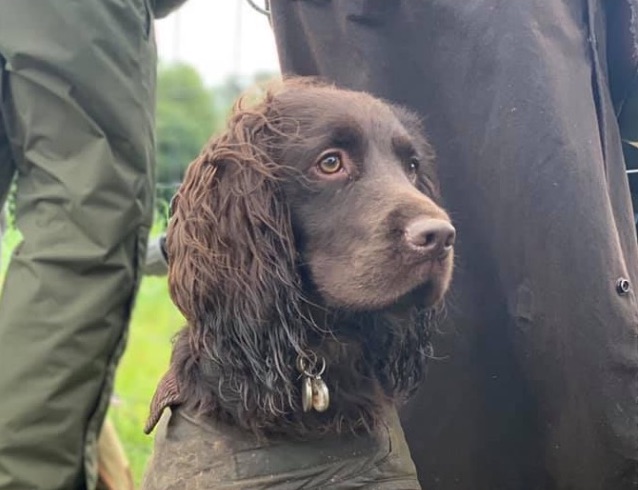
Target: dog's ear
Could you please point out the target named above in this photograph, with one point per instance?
(233, 271)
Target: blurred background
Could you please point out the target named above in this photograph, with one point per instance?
(209, 52)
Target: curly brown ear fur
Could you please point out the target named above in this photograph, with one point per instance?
(232, 274)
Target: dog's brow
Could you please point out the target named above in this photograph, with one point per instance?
(403, 146)
(346, 135)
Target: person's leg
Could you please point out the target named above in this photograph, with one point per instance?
(156, 263)
(538, 381)
(114, 469)
(77, 95)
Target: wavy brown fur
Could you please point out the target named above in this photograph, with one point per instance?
(237, 274)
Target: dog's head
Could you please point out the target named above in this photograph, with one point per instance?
(317, 188)
(313, 195)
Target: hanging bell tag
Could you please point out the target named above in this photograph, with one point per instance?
(306, 394)
(320, 395)
(314, 391)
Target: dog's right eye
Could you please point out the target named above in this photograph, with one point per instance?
(414, 165)
(330, 163)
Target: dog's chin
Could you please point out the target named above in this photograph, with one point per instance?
(426, 295)
(423, 287)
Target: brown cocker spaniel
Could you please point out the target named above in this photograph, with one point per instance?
(309, 255)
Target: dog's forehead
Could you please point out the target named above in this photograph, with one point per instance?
(319, 108)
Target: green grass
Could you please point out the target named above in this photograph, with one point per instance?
(155, 320)
(9, 241)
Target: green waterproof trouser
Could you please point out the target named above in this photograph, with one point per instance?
(76, 128)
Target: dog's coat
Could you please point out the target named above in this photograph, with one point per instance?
(195, 453)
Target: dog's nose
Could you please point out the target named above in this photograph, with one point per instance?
(430, 236)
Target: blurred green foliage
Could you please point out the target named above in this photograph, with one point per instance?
(188, 114)
(186, 118)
